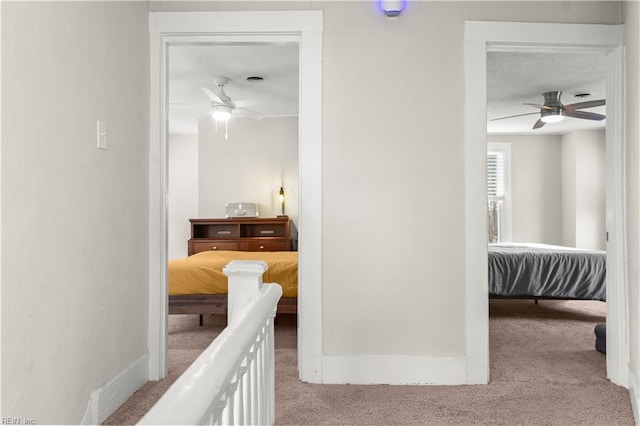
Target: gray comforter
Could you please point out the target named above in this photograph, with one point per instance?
(538, 270)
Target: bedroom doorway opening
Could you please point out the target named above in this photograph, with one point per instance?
(304, 30)
(245, 158)
(481, 38)
(546, 201)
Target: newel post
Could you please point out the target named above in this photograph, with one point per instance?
(245, 281)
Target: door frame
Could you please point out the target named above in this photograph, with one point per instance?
(305, 28)
(479, 38)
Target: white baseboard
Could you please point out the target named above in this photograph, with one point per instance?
(106, 399)
(634, 393)
(394, 370)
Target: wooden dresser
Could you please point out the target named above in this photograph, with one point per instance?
(245, 234)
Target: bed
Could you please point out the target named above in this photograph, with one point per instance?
(197, 284)
(545, 271)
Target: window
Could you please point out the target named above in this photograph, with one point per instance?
(498, 192)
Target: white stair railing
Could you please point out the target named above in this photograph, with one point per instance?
(233, 381)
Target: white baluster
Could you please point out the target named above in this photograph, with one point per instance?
(255, 396)
(246, 391)
(270, 397)
(262, 376)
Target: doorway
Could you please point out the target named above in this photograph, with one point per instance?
(479, 38)
(248, 155)
(304, 28)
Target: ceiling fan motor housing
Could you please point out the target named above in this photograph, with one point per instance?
(554, 111)
(552, 99)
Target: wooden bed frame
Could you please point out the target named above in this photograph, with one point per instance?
(216, 304)
(239, 234)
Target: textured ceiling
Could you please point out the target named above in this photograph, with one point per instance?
(194, 66)
(517, 77)
(512, 79)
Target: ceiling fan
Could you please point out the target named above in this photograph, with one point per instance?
(554, 110)
(222, 107)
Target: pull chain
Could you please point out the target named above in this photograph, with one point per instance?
(226, 128)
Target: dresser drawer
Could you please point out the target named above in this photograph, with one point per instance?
(199, 246)
(223, 231)
(265, 245)
(257, 230)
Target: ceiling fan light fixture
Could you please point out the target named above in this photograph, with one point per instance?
(221, 112)
(554, 115)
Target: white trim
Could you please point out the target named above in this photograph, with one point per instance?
(394, 370)
(634, 394)
(531, 35)
(475, 216)
(106, 399)
(616, 221)
(305, 27)
(310, 208)
(479, 37)
(158, 245)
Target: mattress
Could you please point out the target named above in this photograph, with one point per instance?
(202, 273)
(540, 270)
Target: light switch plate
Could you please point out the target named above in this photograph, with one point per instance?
(102, 135)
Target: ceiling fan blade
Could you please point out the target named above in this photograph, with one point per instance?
(538, 124)
(512, 116)
(587, 104)
(243, 103)
(188, 105)
(243, 112)
(212, 95)
(584, 115)
(537, 106)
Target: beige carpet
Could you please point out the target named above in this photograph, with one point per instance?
(544, 371)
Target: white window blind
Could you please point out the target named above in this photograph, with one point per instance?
(498, 192)
(495, 175)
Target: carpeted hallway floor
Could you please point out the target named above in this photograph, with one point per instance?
(544, 370)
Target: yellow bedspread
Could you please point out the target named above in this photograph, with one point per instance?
(201, 273)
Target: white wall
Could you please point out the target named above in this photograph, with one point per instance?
(590, 191)
(74, 219)
(393, 193)
(583, 189)
(568, 185)
(632, 38)
(558, 188)
(183, 192)
(259, 157)
(535, 191)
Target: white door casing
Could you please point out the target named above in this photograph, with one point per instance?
(507, 36)
(305, 28)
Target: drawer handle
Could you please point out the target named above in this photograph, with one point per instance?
(267, 232)
(224, 232)
(261, 247)
(214, 248)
